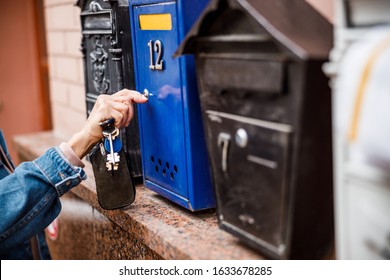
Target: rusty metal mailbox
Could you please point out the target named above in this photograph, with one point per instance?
(266, 109)
(108, 63)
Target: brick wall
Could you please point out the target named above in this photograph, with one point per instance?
(63, 38)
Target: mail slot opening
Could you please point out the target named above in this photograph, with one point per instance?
(97, 23)
(245, 74)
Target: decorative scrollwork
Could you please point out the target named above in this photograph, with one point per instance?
(99, 59)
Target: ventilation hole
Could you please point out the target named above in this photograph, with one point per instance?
(156, 168)
(167, 165)
(175, 168)
(152, 158)
(172, 175)
(164, 172)
(159, 162)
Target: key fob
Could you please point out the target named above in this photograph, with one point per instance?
(114, 187)
(116, 143)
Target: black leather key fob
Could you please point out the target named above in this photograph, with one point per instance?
(114, 188)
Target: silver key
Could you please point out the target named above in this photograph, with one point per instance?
(113, 158)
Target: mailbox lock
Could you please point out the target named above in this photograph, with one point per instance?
(241, 138)
(145, 93)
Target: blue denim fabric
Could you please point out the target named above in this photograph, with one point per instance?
(29, 200)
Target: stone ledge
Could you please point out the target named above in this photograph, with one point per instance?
(167, 229)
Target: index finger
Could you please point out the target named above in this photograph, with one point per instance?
(133, 95)
(138, 98)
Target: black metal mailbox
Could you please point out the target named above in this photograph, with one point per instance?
(108, 63)
(266, 108)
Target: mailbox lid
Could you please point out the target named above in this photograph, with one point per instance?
(250, 86)
(251, 176)
(284, 21)
(249, 74)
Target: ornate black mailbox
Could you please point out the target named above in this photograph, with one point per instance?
(266, 108)
(108, 63)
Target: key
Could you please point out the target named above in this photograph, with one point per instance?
(112, 156)
(110, 133)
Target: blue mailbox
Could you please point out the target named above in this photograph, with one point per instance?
(174, 154)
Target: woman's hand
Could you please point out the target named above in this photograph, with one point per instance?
(118, 106)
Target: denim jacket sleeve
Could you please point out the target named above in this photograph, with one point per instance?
(29, 198)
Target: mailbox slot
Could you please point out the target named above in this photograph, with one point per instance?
(247, 84)
(97, 22)
(247, 74)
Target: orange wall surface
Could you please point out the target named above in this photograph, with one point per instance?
(20, 90)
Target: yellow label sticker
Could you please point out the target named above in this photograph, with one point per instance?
(155, 22)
